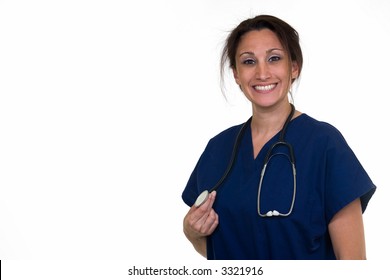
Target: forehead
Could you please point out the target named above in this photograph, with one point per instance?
(260, 40)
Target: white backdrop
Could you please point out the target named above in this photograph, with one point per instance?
(105, 107)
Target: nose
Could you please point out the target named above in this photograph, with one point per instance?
(262, 71)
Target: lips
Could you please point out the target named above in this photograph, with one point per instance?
(264, 87)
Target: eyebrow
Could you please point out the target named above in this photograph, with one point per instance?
(268, 51)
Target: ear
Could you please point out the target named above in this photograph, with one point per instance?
(294, 70)
(236, 78)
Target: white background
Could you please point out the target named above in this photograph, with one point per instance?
(105, 107)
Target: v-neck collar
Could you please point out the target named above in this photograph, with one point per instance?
(248, 143)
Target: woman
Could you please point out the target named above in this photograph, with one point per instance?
(309, 201)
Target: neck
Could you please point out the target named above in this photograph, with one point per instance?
(270, 121)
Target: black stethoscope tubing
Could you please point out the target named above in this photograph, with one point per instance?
(291, 157)
(281, 141)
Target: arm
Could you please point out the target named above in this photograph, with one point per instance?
(199, 223)
(347, 232)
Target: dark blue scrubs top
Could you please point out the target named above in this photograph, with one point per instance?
(329, 176)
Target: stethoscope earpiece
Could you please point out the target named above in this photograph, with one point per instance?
(272, 213)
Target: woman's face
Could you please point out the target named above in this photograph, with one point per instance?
(262, 69)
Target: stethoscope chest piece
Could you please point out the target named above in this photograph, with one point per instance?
(202, 198)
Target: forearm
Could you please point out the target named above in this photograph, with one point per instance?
(347, 233)
(199, 243)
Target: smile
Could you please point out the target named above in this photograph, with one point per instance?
(265, 88)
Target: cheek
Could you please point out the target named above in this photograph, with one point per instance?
(240, 78)
(243, 76)
(283, 73)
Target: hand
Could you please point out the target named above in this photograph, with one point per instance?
(201, 221)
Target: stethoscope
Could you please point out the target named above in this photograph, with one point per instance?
(281, 142)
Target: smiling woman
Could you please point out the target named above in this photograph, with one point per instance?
(105, 107)
(320, 192)
(263, 70)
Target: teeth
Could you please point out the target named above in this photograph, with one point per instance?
(264, 88)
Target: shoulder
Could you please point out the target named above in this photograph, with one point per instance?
(219, 147)
(226, 136)
(322, 126)
(317, 129)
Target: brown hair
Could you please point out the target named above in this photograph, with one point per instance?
(287, 35)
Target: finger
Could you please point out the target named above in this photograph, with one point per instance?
(202, 212)
(199, 220)
(204, 228)
(209, 202)
(205, 206)
(210, 224)
(214, 225)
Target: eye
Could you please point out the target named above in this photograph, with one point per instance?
(274, 58)
(248, 61)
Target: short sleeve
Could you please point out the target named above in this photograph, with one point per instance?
(190, 192)
(346, 179)
(211, 164)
